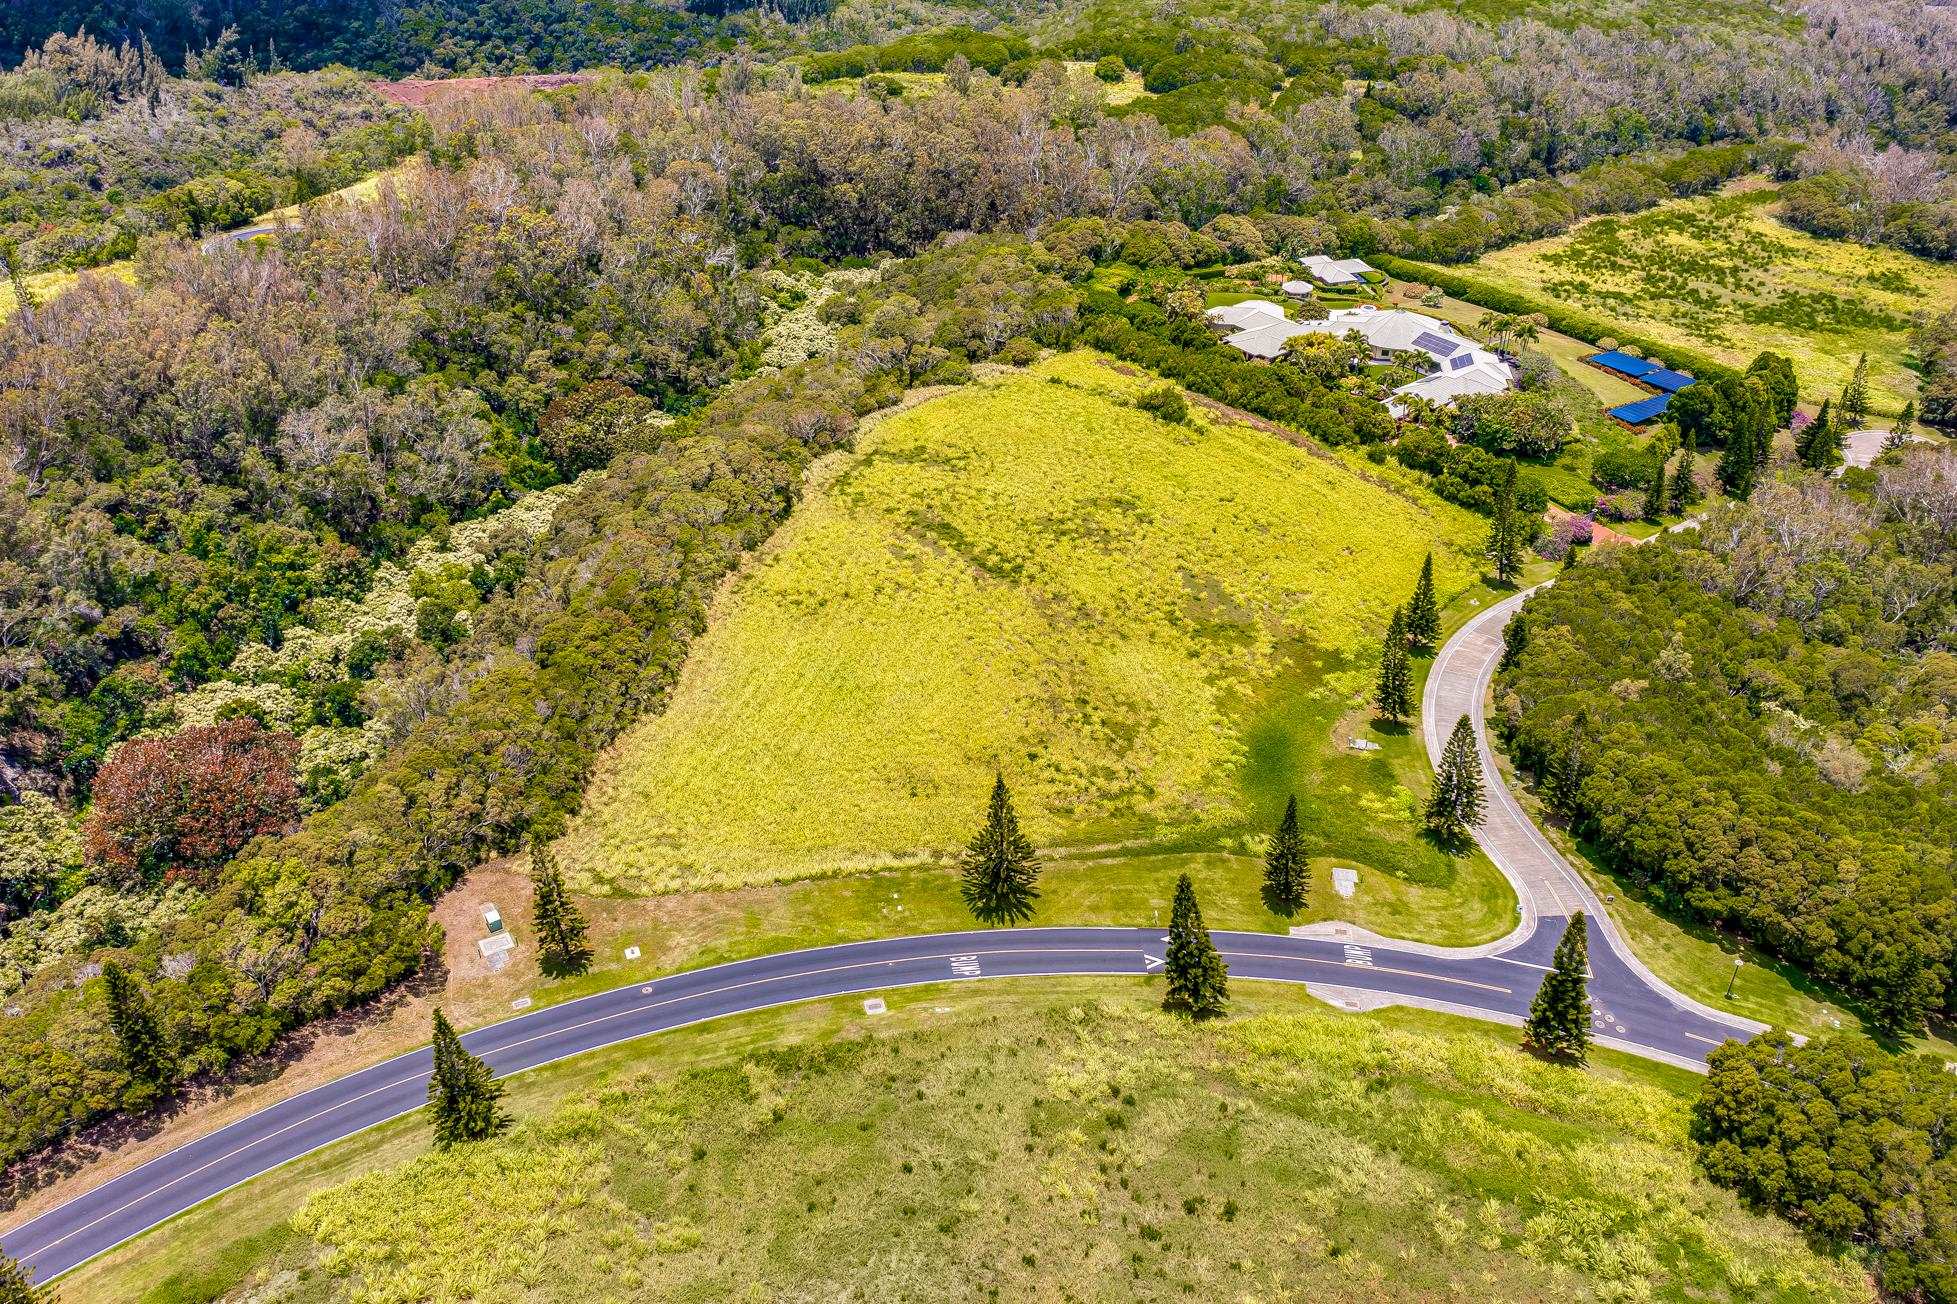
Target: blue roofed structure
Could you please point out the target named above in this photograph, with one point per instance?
(1645, 409)
(1623, 364)
(1669, 381)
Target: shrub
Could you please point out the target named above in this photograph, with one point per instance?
(1111, 68)
(1165, 402)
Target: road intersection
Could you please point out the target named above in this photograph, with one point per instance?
(1633, 1011)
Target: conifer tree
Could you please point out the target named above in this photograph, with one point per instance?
(1394, 693)
(1505, 536)
(1738, 469)
(1286, 880)
(461, 1094)
(1855, 395)
(1898, 436)
(559, 924)
(17, 1284)
(1654, 493)
(1559, 1017)
(145, 1050)
(1819, 446)
(1456, 804)
(1685, 480)
(1198, 981)
(1424, 611)
(1001, 872)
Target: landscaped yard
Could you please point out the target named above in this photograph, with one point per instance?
(1720, 275)
(1036, 1133)
(1156, 632)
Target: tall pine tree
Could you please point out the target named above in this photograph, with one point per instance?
(1505, 535)
(1818, 447)
(17, 1284)
(1198, 981)
(1287, 881)
(1898, 436)
(1424, 611)
(1685, 480)
(559, 925)
(1738, 468)
(1001, 873)
(1654, 493)
(461, 1094)
(145, 1050)
(1855, 395)
(1393, 695)
(1559, 1017)
(1456, 803)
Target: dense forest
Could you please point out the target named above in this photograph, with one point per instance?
(1754, 719)
(328, 563)
(99, 148)
(1851, 1142)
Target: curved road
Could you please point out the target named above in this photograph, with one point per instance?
(1632, 1011)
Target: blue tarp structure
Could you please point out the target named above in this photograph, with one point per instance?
(1624, 364)
(1669, 381)
(1645, 409)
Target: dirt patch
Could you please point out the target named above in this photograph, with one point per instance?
(420, 92)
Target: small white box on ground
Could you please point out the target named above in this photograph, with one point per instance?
(1345, 881)
(631, 952)
(494, 943)
(520, 1003)
(875, 1005)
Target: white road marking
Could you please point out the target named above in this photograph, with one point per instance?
(1150, 961)
(965, 966)
(1358, 956)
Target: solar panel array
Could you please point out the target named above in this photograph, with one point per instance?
(1624, 364)
(1439, 345)
(1645, 409)
(1669, 381)
(1465, 360)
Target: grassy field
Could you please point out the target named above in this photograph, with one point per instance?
(1053, 1137)
(1156, 631)
(46, 285)
(1719, 274)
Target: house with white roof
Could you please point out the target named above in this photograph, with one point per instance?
(1327, 270)
(1460, 367)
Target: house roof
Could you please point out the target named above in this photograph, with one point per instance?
(1266, 339)
(1335, 271)
(1241, 316)
(1623, 364)
(1645, 409)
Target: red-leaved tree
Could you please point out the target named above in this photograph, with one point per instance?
(174, 809)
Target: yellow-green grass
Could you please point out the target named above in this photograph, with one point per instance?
(359, 192)
(916, 84)
(1155, 631)
(1125, 91)
(1719, 274)
(1013, 1137)
(46, 285)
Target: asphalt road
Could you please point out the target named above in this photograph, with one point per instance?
(1502, 985)
(1631, 1009)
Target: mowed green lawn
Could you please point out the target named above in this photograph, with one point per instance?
(1720, 275)
(1052, 1139)
(1157, 632)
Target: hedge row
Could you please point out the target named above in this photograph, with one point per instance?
(1570, 321)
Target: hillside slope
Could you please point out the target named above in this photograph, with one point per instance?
(1034, 576)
